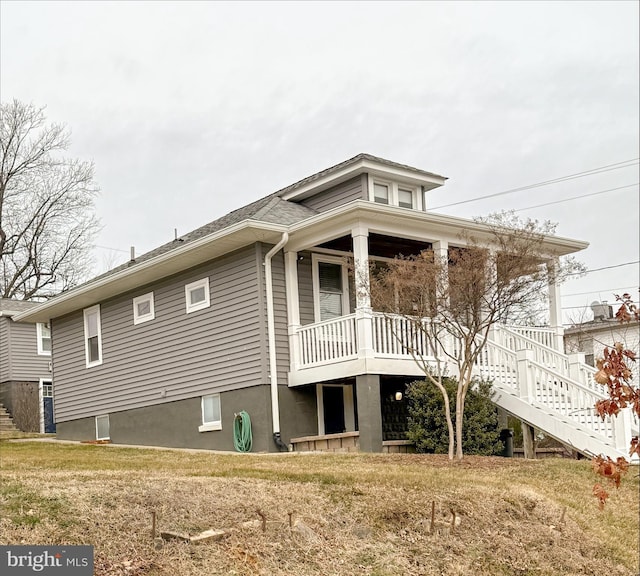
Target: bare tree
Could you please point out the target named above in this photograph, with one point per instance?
(47, 218)
(452, 301)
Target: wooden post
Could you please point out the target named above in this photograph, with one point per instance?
(528, 441)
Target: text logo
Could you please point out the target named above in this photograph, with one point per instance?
(46, 560)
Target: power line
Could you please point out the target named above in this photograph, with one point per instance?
(577, 197)
(592, 172)
(611, 290)
(605, 268)
(109, 248)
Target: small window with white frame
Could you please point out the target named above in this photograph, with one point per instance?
(211, 414)
(143, 308)
(381, 193)
(43, 331)
(405, 198)
(403, 195)
(92, 336)
(103, 431)
(197, 295)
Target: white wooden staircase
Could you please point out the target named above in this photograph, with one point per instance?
(553, 392)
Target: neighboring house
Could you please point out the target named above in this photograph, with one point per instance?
(25, 369)
(257, 311)
(604, 330)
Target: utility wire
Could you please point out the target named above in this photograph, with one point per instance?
(611, 290)
(577, 197)
(605, 268)
(601, 169)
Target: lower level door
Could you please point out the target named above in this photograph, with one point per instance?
(333, 404)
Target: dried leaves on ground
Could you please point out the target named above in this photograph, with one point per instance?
(323, 514)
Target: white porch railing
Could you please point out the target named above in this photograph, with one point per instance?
(396, 336)
(536, 382)
(328, 341)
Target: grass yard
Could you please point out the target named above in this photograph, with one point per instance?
(351, 514)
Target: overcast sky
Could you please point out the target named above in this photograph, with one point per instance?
(190, 110)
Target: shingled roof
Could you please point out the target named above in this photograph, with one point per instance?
(10, 307)
(272, 209)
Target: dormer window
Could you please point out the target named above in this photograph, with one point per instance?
(395, 194)
(405, 198)
(381, 193)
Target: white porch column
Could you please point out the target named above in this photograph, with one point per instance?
(555, 309)
(364, 315)
(293, 307)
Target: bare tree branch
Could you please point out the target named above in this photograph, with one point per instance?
(454, 301)
(47, 214)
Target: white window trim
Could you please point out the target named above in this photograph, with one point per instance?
(85, 313)
(194, 286)
(139, 319)
(41, 398)
(416, 192)
(104, 437)
(216, 424)
(42, 351)
(315, 273)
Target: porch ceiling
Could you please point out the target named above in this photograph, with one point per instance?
(380, 245)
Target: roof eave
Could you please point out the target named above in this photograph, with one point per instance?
(177, 260)
(561, 245)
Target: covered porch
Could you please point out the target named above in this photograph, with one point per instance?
(335, 335)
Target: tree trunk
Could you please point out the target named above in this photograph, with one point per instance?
(528, 441)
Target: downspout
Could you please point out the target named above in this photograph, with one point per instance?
(271, 337)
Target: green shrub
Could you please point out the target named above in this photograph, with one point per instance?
(428, 426)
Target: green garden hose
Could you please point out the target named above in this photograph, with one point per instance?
(242, 438)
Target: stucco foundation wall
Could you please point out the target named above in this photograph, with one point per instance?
(175, 424)
(298, 412)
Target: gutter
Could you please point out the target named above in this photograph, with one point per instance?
(271, 337)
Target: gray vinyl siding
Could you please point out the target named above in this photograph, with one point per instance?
(19, 350)
(173, 357)
(341, 194)
(4, 349)
(305, 289)
(279, 315)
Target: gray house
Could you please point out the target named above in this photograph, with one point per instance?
(257, 312)
(25, 369)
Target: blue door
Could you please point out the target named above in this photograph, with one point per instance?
(47, 407)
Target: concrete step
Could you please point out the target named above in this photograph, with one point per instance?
(6, 422)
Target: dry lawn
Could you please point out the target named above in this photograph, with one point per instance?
(352, 514)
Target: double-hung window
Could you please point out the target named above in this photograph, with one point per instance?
(331, 287)
(211, 414)
(197, 295)
(143, 309)
(92, 336)
(43, 332)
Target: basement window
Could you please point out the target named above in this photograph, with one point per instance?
(102, 427)
(211, 414)
(143, 309)
(197, 295)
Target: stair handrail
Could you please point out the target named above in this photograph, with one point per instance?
(581, 366)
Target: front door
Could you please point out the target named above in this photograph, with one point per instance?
(47, 407)
(333, 403)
